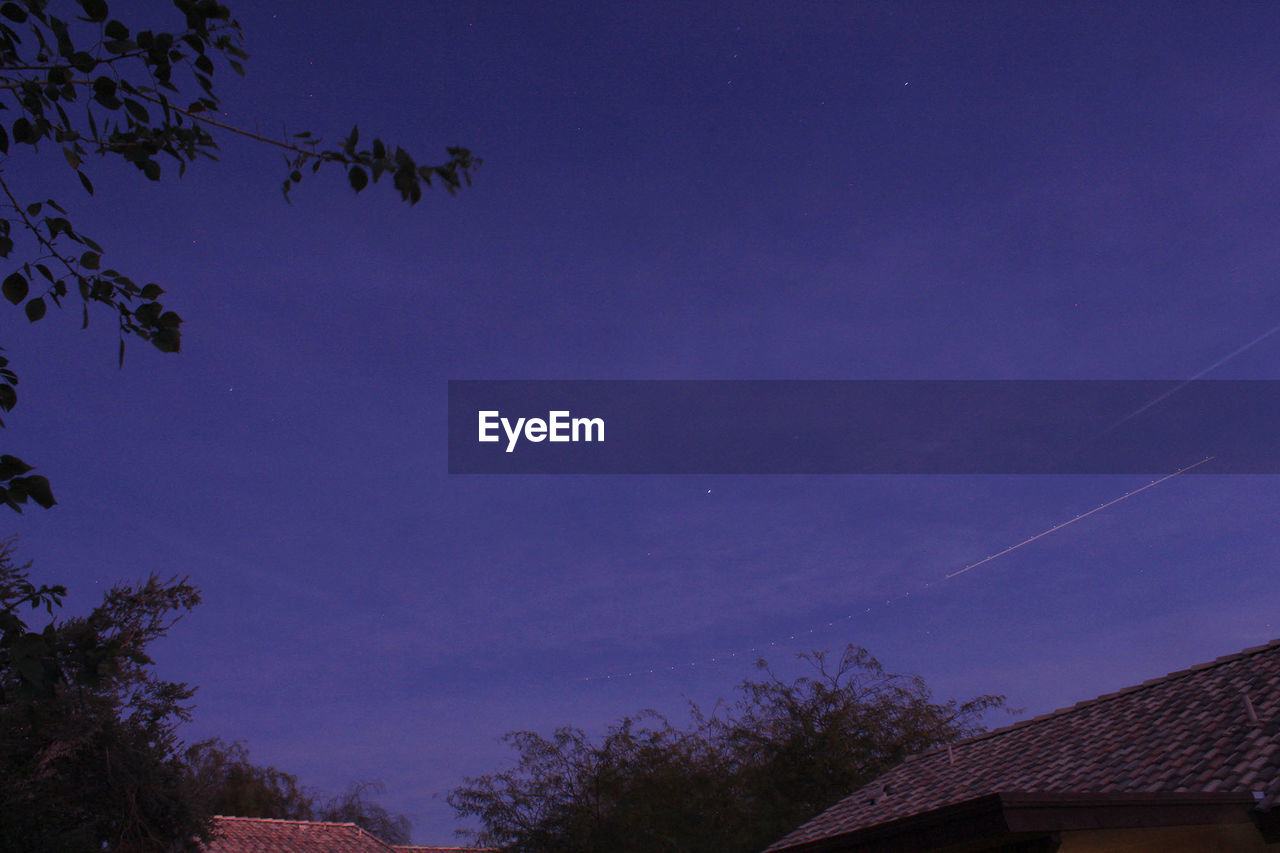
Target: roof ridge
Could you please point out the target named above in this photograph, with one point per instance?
(1105, 697)
(287, 820)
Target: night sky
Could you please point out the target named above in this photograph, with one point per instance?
(669, 191)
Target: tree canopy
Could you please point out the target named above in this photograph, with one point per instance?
(79, 84)
(90, 753)
(735, 780)
(226, 782)
(88, 733)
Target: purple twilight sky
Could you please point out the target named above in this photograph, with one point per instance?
(670, 191)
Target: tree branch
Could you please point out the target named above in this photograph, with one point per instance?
(34, 229)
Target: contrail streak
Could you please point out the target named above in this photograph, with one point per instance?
(1167, 394)
(1058, 527)
(774, 643)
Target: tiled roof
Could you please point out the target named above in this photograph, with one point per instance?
(268, 835)
(1214, 727)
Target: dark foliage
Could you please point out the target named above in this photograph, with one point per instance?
(88, 743)
(90, 758)
(77, 84)
(736, 780)
(226, 782)
(354, 806)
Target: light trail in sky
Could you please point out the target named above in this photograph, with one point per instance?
(1174, 390)
(763, 647)
(1054, 529)
(1080, 517)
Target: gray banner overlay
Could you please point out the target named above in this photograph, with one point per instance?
(863, 427)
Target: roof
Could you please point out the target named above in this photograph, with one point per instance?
(269, 835)
(1211, 728)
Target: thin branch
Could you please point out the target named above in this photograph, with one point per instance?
(231, 128)
(132, 54)
(197, 116)
(34, 229)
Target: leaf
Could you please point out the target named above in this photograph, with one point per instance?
(137, 110)
(38, 488)
(95, 10)
(151, 169)
(148, 313)
(13, 12)
(35, 309)
(12, 466)
(152, 292)
(116, 30)
(167, 339)
(90, 260)
(21, 130)
(4, 141)
(85, 182)
(358, 177)
(104, 92)
(84, 63)
(104, 85)
(15, 288)
(8, 397)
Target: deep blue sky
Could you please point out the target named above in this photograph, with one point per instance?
(834, 191)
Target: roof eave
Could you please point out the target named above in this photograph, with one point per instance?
(1025, 816)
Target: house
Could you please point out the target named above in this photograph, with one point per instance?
(1187, 762)
(268, 835)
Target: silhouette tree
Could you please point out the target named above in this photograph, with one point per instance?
(82, 85)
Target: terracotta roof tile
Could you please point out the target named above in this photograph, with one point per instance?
(1213, 727)
(268, 835)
